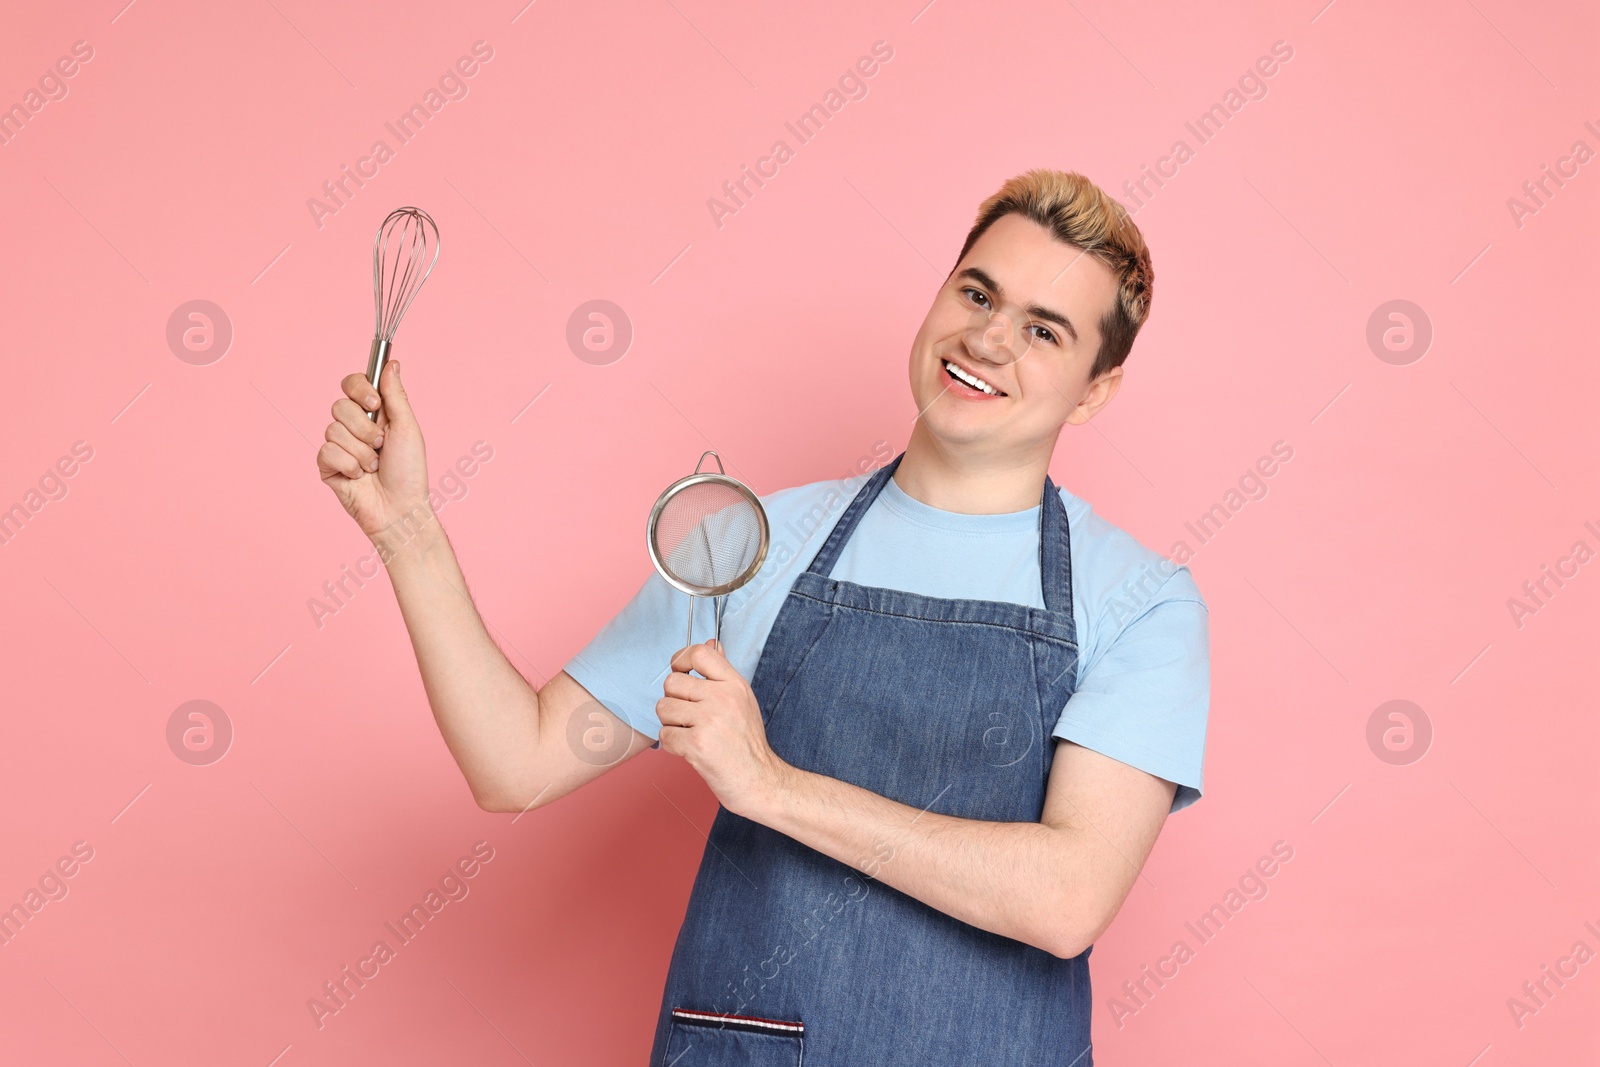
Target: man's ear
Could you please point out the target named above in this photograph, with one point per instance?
(1099, 394)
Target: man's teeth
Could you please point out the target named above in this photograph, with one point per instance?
(976, 383)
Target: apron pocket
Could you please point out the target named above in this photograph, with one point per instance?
(704, 1039)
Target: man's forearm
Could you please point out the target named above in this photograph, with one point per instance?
(486, 711)
(1011, 878)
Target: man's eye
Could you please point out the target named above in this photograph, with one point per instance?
(1046, 334)
(977, 295)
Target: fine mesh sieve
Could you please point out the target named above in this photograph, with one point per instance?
(707, 537)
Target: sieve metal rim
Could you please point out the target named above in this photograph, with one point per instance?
(673, 490)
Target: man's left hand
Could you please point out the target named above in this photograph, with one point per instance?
(715, 723)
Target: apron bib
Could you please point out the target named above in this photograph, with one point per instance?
(789, 957)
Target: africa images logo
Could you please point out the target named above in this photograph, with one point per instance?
(852, 85)
(453, 885)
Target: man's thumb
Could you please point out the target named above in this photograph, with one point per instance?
(395, 401)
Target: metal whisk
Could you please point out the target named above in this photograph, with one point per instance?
(401, 246)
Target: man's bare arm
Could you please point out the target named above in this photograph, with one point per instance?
(1055, 884)
(510, 741)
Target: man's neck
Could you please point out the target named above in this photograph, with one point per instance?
(967, 482)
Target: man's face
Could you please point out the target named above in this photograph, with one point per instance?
(1022, 313)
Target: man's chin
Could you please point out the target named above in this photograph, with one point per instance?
(963, 430)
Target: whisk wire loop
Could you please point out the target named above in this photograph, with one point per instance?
(399, 249)
(398, 277)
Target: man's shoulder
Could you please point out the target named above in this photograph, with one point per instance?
(798, 495)
(819, 488)
(800, 514)
(826, 496)
(1118, 573)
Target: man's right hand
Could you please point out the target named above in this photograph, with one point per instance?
(376, 488)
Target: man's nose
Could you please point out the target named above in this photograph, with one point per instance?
(993, 335)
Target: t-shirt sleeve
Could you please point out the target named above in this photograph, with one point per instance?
(628, 660)
(1145, 700)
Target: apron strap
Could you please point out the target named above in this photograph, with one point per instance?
(1055, 550)
(828, 555)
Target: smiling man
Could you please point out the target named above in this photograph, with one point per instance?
(944, 732)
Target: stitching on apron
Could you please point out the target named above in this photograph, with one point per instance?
(837, 607)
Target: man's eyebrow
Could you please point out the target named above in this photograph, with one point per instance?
(1038, 311)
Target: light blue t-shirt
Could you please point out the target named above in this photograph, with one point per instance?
(1144, 674)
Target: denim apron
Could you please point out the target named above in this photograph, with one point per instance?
(787, 956)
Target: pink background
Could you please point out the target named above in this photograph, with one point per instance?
(179, 565)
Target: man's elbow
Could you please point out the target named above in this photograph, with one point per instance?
(1065, 942)
(505, 802)
(1072, 929)
(495, 802)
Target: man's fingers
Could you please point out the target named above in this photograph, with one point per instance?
(704, 658)
(396, 404)
(331, 460)
(685, 686)
(357, 388)
(674, 712)
(712, 663)
(339, 434)
(352, 418)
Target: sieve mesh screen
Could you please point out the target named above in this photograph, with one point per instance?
(707, 535)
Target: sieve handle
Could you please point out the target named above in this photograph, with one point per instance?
(688, 639)
(716, 610)
(378, 356)
(713, 455)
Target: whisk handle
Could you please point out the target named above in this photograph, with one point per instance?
(375, 361)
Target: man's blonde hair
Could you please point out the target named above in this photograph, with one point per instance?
(1077, 211)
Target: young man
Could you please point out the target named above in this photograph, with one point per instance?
(945, 726)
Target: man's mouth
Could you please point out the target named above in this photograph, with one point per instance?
(970, 380)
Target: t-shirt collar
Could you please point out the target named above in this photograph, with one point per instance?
(908, 507)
